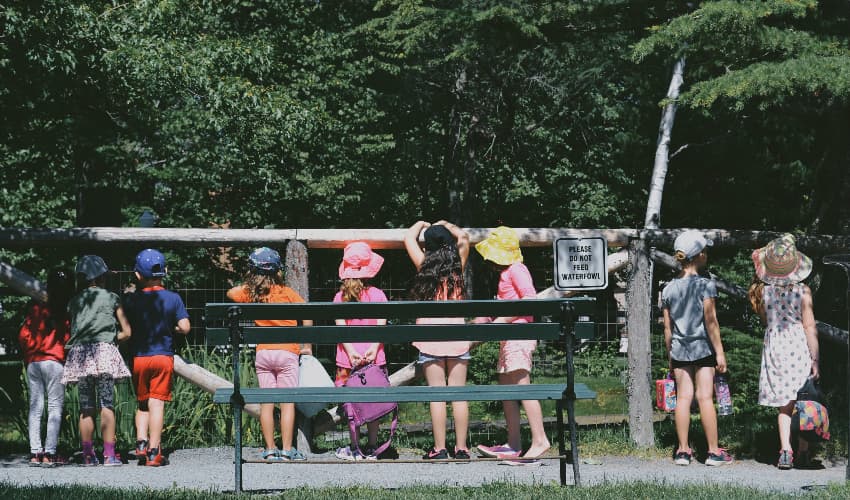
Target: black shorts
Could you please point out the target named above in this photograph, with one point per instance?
(709, 361)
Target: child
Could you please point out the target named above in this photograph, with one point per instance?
(276, 364)
(501, 250)
(790, 353)
(359, 264)
(155, 315)
(93, 362)
(42, 338)
(692, 337)
(440, 277)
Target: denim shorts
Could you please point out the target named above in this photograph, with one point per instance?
(427, 358)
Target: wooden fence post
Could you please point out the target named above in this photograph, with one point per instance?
(297, 274)
(638, 321)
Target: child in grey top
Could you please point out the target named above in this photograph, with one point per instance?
(692, 337)
(684, 298)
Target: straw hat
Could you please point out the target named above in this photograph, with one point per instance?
(501, 246)
(780, 263)
(359, 261)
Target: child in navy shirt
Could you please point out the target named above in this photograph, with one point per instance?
(155, 314)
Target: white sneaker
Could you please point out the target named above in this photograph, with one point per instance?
(346, 453)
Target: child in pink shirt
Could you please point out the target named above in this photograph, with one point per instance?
(440, 277)
(501, 249)
(359, 264)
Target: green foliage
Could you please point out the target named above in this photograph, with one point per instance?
(599, 360)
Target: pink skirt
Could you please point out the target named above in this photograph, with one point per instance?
(86, 360)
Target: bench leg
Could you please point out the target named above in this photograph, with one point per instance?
(571, 415)
(237, 449)
(562, 449)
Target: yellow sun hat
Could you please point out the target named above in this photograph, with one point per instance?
(501, 246)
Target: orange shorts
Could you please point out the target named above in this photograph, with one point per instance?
(152, 377)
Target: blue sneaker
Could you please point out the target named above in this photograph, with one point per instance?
(112, 462)
(90, 460)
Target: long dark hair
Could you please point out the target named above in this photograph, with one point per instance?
(259, 285)
(440, 272)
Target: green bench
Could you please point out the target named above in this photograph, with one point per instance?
(563, 325)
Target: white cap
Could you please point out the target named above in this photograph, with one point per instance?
(691, 243)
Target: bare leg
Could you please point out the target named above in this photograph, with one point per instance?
(460, 409)
(107, 425)
(142, 421)
(684, 396)
(512, 416)
(435, 375)
(784, 421)
(156, 409)
(86, 424)
(287, 425)
(539, 442)
(373, 433)
(707, 413)
(267, 424)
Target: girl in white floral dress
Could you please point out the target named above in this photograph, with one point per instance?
(790, 353)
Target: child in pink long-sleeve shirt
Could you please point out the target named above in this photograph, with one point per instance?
(501, 249)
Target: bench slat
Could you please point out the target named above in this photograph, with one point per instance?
(387, 334)
(394, 309)
(404, 393)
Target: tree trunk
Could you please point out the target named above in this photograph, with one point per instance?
(638, 320)
(662, 150)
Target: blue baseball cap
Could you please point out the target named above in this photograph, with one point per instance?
(264, 260)
(150, 263)
(91, 267)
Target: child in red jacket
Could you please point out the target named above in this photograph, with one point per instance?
(42, 337)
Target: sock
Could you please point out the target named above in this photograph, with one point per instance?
(108, 449)
(87, 448)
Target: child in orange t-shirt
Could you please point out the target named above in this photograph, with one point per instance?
(276, 364)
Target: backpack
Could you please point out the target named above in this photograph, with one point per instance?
(369, 375)
(810, 417)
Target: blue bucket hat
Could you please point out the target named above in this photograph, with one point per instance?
(150, 263)
(264, 260)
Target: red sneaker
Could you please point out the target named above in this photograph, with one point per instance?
(156, 458)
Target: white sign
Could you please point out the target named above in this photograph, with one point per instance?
(581, 264)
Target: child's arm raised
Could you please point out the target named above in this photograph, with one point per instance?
(411, 243)
(125, 332)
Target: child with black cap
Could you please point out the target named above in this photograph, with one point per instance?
(440, 277)
(93, 361)
(155, 315)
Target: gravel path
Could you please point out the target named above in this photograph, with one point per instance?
(211, 469)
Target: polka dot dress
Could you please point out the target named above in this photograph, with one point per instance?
(785, 359)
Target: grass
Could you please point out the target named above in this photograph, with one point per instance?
(493, 490)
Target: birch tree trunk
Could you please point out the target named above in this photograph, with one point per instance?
(639, 294)
(662, 150)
